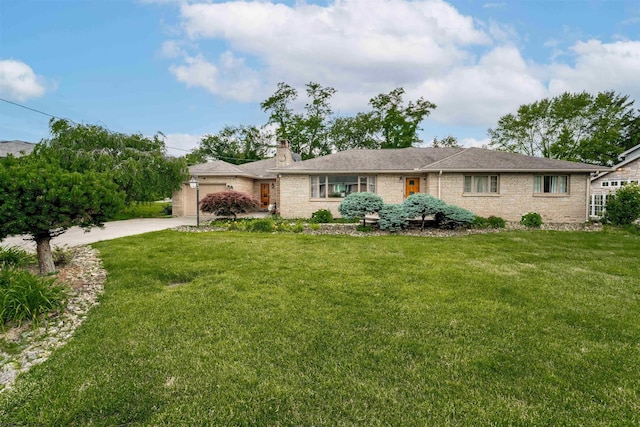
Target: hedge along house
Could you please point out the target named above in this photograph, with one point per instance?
(252, 178)
(483, 181)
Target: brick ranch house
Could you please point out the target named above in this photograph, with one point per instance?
(608, 182)
(486, 182)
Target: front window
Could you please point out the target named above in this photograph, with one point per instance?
(481, 184)
(323, 186)
(551, 184)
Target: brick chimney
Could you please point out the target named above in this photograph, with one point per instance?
(283, 154)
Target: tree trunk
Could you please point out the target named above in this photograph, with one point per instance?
(45, 257)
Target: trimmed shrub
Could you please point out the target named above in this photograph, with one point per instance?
(322, 216)
(358, 205)
(531, 219)
(496, 222)
(422, 205)
(228, 203)
(15, 256)
(24, 296)
(392, 218)
(451, 216)
(262, 225)
(623, 207)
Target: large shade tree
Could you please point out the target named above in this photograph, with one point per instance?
(81, 176)
(573, 126)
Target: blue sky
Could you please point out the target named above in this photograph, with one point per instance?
(187, 68)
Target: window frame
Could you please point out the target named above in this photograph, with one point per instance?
(323, 187)
(540, 185)
(471, 184)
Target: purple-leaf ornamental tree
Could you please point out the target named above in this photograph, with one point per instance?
(228, 203)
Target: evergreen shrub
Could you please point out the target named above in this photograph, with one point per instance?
(392, 218)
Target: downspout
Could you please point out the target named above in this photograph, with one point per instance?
(588, 192)
(439, 191)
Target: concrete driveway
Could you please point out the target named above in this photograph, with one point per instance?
(112, 230)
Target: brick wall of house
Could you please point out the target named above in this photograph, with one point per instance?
(184, 201)
(516, 196)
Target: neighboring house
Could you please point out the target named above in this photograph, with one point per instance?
(483, 181)
(17, 148)
(607, 182)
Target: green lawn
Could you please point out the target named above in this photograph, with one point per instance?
(143, 210)
(512, 328)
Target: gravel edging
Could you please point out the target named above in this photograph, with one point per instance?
(85, 277)
(350, 229)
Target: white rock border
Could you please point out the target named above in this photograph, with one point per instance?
(86, 280)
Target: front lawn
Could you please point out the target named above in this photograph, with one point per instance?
(227, 328)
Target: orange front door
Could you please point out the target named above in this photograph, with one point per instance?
(264, 196)
(411, 186)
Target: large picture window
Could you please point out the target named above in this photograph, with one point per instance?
(323, 186)
(551, 184)
(481, 184)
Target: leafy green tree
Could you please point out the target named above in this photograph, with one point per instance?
(137, 164)
(280, 110)
(358, 205)
(623, 206)
(422, 205)
(359, 131)
(572, 126)
(447, 141)
(308, 133)
(398, 124)
(42, 199)
(81, 176)
(234, 144)
(228, 203)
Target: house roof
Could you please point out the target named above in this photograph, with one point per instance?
(257, 169)
(395, 160)
(483, 160)
(432, 159)
(16, 148)
(260, 168)
(217, 168)
(631, 155)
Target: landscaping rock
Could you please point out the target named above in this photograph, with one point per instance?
(85, 277)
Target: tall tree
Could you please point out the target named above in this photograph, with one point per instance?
(234, 144)
(448, 141)
(280, 110)
(399, 125)
(572, 126)
(81, 176)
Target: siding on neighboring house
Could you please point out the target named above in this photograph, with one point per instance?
(630, 171)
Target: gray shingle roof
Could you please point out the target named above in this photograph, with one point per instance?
(432, 159)
(398, 160)
(217, 167)
(481, 159)
(260, 168)
(15, 147)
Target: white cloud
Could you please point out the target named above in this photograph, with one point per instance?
(353, 44)
(474, 71)
(230, 78)
(19, 82)
(481, 93)
(473, 142)
(177, 143)
(598, 67)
